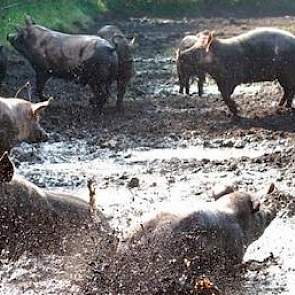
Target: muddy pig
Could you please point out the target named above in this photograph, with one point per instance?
(19, 121)
(186, 66)
(171, 250)
(3, 63)
(124, 50)
(38, 221)
(263, 54)
(89, 60)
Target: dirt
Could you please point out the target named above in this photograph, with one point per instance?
(173, 147)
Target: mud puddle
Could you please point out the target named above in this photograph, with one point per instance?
(167, 148)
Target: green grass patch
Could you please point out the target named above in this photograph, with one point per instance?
(64, 15)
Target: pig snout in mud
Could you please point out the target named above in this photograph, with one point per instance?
(40, 222)
(19, 121)
(168, 252)
(264, 54)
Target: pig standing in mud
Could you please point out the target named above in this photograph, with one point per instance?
(124, 50)
(3, 63)
(43, 222)
(89, 60)
(264, 54)
(170, 251)
(19, 121)
(186, 66)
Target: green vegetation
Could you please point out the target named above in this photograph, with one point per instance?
(71, 15)
(65, 15)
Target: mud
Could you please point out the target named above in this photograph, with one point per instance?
(177, 147)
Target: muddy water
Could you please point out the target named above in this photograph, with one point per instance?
(185, 172)
(166, 148)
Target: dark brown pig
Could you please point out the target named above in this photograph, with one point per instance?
(124, 50)
(19, 121)
(186, 66)
(3, 63)
(263, 54)
(89, 60)
(38, 222)
(171, 250)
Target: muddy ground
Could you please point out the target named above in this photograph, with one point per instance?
(174, 147)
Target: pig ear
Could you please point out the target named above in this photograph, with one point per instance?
(6, 168)
(271, 189)
(222, 191)
(28, 20)
(40, 106)
(210, 40)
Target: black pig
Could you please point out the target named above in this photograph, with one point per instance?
(186, 66)
(88, 59)
(124, 50)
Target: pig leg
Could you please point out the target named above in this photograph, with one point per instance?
(226, 92)
(100, 96)
(122, 84)
(288, 96)
(201, 82)
(181, 83)
(187, 85)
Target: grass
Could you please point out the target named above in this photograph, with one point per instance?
(71, 15)
(64, 15)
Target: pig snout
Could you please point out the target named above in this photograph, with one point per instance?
(38, 134)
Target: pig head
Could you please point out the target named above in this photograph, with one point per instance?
(19, 121)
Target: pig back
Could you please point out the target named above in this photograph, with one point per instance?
(32, 220)
(169, 252)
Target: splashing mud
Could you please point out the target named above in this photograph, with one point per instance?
(166, 148)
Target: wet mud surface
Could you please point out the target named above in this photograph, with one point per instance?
(165, 148)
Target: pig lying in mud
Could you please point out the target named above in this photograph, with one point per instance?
(19, 121)
(89, 60)
(170, 251)
(3, 63)
(186, 66)
(124, 49)
(42, 222)
(264, 54)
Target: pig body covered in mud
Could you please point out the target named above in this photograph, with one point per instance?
(89, 60)
(186, 66)
(170, 251)
(42, 222)
(19, 121)
(124, 49)
(263, 54)
(3, 63)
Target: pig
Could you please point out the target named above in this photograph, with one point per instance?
(87, 59)
(186, 66)
(3, 63)
(43, 222)
(124, 49)
(171, 250)
(19, 121)
(263, 54)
